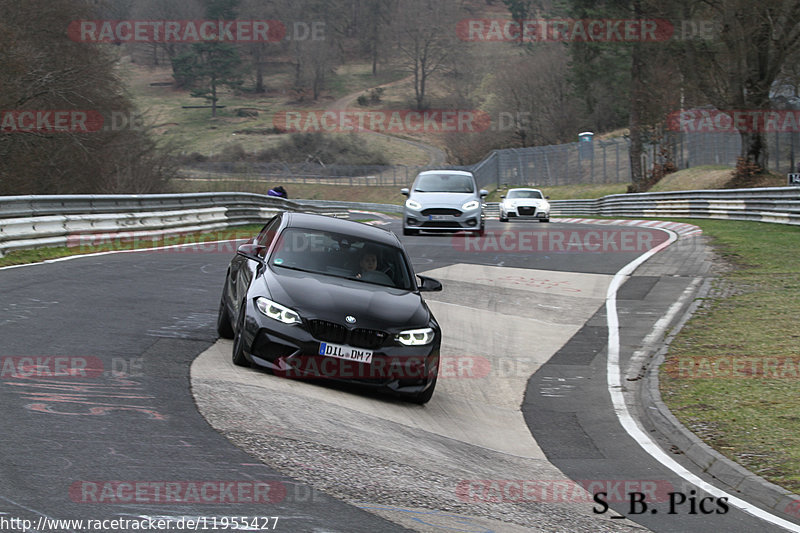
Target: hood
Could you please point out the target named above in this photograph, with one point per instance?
(450, 199)
(316, 296)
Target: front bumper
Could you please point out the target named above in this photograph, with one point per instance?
(442, 218)
(525, 212)
(292, 351)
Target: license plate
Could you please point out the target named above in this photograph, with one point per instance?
(439, 217)
(347, 353)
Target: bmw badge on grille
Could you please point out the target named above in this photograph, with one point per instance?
(350, 319)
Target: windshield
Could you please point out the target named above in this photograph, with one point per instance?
(445, 183)
(342, 256)
(524, 194)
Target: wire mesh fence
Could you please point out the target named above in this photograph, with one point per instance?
(563, 164)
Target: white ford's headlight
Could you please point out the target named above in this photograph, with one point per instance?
(415, 337)
(472, 204)
(277, 311)
(413, 204)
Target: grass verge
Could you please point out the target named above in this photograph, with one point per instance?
(731, 375)
(20, 257)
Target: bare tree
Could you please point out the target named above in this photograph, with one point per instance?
(376, 19)
(535, 102)
(789, 78)
(160, 10)
(260, 52)
(313, 42)
(520, 11)
(41, 71)
(737, 69)
(425, 41)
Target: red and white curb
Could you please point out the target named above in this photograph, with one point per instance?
(681, 228)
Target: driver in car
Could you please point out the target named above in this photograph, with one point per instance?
(369, 272)
(368, 263)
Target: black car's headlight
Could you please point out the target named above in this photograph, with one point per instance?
(415, 337)
(277, 311)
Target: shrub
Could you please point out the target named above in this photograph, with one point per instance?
(746, 174)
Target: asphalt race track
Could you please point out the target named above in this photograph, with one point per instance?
(101, 399)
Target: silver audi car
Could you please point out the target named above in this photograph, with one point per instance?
(444, 200)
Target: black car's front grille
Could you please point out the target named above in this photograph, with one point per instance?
(338, 334)
(526, 210)
(441, 211)
(367, 338)
(328, 331)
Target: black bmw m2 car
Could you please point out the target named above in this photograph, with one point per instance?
(317, 297)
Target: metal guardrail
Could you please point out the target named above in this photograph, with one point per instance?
(491, 209)
(37, 221)
(353, 206)
(772, 204)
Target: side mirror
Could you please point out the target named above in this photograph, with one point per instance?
(429, 284)
(484, 193)
(404, 192)
(502, 196)
(254, 252)
(546, 197)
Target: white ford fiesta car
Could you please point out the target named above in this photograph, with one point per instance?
(525, 204)
(444, 200)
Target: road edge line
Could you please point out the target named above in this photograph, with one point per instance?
(628, 422)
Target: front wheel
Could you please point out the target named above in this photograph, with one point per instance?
(237, 355)
(224, 328)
